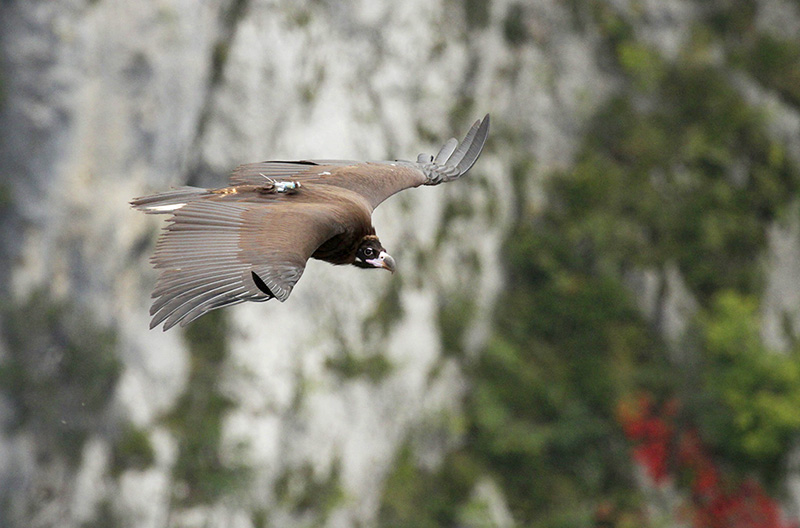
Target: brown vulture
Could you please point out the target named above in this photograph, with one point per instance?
(250, 241)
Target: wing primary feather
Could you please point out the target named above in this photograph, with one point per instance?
(475, 147)
(202, 303)
(465, 145)
(188, 291)
(218, 224)
(178, 255)
(214, 304)
(191, 316)
(166, 305)
(188, 264)
(446, 151)
(461, 159)
(179, 306)
(168, 201)
(180, 282)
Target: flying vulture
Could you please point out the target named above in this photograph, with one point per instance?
(250, 241)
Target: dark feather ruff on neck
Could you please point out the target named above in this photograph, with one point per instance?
(342, 248)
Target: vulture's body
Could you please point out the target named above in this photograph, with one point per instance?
(250, 241)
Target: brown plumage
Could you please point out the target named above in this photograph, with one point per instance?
(250, 241)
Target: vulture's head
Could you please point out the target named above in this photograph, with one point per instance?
(370, 254)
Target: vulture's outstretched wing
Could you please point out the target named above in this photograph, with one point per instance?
(215, 253)
(250, 241)
(375, 181)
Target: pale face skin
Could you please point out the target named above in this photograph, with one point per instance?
(372, 255)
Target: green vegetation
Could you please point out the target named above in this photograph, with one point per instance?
(569, 343)
(260, 519)
(132, 450)
(770, 60)
(388, 311)
(611, 24)
(59, 372)
(677, 169)
(304, 494)
(462, 112)
(6, 192)
(219, 57)
(692, 176)
(300, 17)
(105, 517)
(454, 208)
(416, 497)
(776, 64)
(234, 11)
(349, 366)
(514, 29)
(755, 391)
(642, 64)
(455, 313)
(198, 415)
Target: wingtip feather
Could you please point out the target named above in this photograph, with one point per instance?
(446, 151)
(475, 147)
(455, 160)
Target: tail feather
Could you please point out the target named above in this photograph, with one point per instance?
(169, 201)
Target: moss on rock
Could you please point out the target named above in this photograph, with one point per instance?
(198, 416)
(60, 371)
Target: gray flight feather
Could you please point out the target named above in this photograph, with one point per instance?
(446, 151)
(452, 162)
(169, 201)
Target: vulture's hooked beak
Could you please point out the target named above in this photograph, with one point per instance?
(384, 261)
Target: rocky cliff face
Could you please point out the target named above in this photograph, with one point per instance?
(290, 414)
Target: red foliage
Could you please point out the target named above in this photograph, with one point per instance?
(651, 434)
(665, 450)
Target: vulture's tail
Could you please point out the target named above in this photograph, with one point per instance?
(168, 201)
(453, 160)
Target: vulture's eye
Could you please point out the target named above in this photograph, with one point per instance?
(368, 252)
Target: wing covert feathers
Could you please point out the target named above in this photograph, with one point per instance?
(260, 173)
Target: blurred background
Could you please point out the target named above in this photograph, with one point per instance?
(598, 326)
